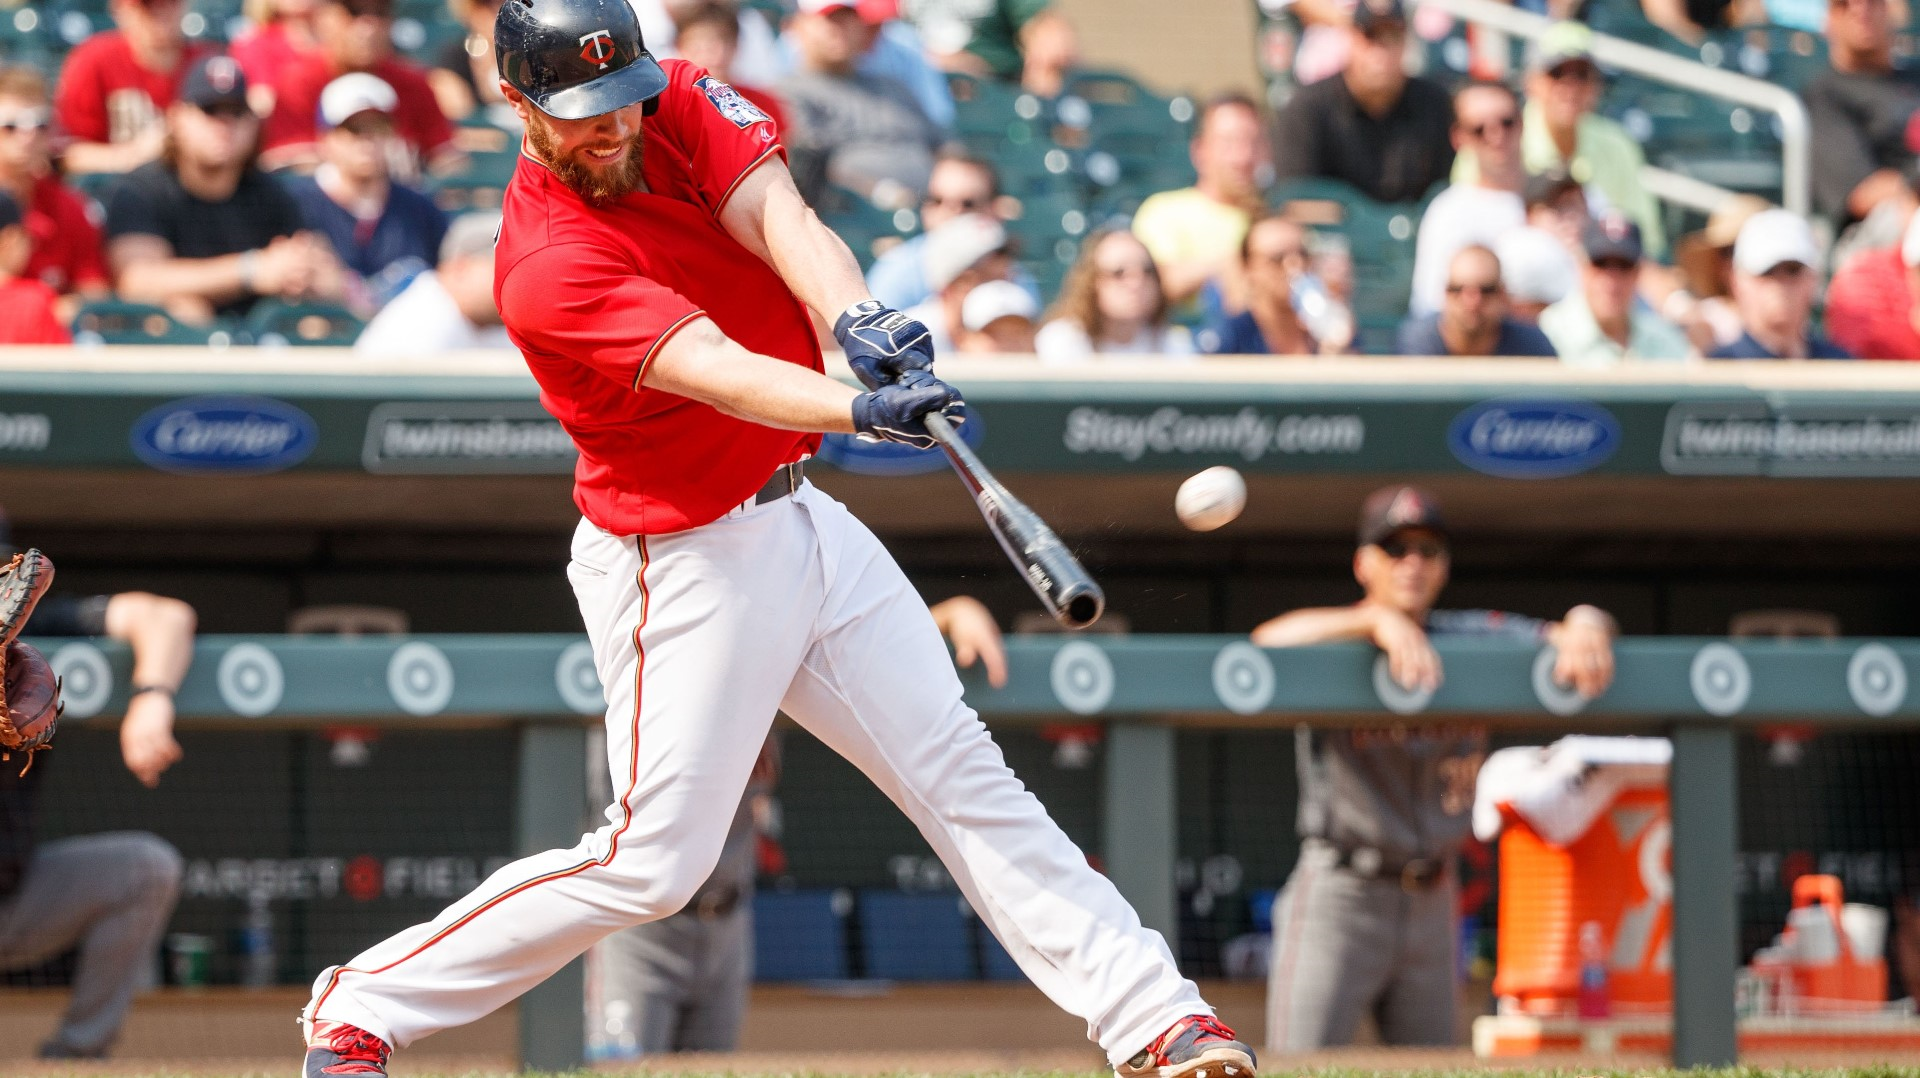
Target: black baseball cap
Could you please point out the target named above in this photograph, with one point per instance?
(1369, 14)
(1392, 509)
(1612, 236)
(215, 80)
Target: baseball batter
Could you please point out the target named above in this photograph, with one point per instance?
(655, 267)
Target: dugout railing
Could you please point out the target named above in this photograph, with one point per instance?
(1145, 689)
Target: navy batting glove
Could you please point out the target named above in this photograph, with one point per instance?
(897, 411)
(881, 343)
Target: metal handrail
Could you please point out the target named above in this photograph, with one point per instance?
(1796, 135)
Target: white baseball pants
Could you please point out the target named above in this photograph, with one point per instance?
(699, 637)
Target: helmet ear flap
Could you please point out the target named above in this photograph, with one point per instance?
(651, 106)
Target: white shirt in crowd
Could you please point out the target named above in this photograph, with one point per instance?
(1065, 342)
(422, 320)
(1460, 216)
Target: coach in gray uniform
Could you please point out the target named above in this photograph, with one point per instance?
(1367, 923)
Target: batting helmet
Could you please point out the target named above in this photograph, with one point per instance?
(575, 58)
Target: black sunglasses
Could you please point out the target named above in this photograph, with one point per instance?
(1504, 123)
(1399, 546)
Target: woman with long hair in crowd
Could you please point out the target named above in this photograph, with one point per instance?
(1111, 304)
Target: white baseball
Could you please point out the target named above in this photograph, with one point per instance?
(1211, 498)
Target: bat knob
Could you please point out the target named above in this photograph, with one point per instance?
(1082, 606)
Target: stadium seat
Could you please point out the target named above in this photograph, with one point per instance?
(275, 322)
(118, 322)
(799, 936)
(916, 937)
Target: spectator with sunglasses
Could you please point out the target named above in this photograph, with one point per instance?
(1599, 325)
(961, 183)
(1486, 127)
(1560, 130)
(1366, 924)
(1475, 319)
(63, 243)
(1860, 113)
(203, 232)
(1276, 262)
(1374, 127)
(1111, 304)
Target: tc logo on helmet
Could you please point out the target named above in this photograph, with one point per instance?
(597, 48)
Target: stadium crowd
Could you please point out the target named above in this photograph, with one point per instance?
(292, 174)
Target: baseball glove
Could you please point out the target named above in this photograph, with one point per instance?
(33, 703)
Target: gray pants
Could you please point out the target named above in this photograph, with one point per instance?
(678, 984)
(1345, 945)
(110, 895)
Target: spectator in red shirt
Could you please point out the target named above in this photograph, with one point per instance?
(115, 87)
(357, 35)
(63, 243)
(26, 306)
(1870, 308)
(709, 36)
(282, 33)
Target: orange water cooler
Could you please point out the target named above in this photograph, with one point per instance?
(1617, 875)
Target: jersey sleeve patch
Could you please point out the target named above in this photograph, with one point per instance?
(738, 110)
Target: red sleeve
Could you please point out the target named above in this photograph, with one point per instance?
(722, 133)
(584, 303)
(296, 99)
(88, 263)
(79, 101)
(424, 124)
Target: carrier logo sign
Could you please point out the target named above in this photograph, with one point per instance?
(1753, 438)
(1534, 439)
(479, 438)
(205, 435)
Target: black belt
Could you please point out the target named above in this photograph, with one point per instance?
(785, 480)
(1414, 874)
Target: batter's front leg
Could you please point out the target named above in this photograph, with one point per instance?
(878, 687)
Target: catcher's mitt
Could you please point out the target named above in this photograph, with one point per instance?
(33, 703)
(23, 580)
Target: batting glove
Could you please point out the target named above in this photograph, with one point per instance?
(881, 343)
(897, 411)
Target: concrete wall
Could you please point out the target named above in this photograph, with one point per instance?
(1196, 46)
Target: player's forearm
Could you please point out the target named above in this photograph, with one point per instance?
(701, 363)
(160, 631)
(768, 216)
(1316, 625)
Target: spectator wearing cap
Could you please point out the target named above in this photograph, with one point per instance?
(1194, 233)
(1599, 326)
(1860, 113)
(1368, 922)
(960, 255)
(27, 307)
(115, 86)
(863, 132)
(64, 250)
(446, 309)
(1111, 304)
(384, 232)
(975, 37)
(1557, 204)
(1870, 302)
(1776, 278)
(960, 183)
(1486, 127)
(1274, 256)
(1560, 130)
(1474, 320)
(357, 35)
(1387, 134)
(202, 231)
(1536, 271)
(1704, 302)
(997, 318)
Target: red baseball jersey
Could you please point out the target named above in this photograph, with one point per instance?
(589, 294)
(106, 96)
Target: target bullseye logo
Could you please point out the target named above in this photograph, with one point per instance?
(1082, 678)
(1720, 679)
(1396, 697)
(1243, 678)
(420, 679)
(86, 679)
(1877, 679)
(251, 680)
(578, 681)
(1555, 697)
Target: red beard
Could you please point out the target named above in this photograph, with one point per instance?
(597, 187)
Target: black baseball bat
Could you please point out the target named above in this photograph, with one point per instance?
(1065, 588)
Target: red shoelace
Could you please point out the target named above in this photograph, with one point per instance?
(1211, 1028)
